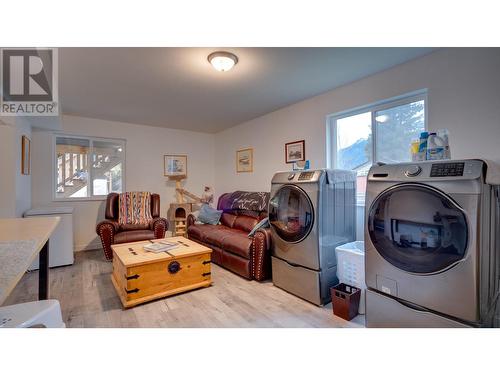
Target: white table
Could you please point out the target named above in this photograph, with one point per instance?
(21, 240)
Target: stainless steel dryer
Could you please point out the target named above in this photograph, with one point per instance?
(431, 245)
(311, 213)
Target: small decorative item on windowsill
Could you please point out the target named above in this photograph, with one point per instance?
(295, 151)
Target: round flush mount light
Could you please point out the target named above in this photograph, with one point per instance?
(222, 61)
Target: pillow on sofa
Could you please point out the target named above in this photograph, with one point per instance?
(264, 223)
(209, 215)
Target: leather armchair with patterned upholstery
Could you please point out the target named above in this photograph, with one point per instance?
(111, 232)
(249, 257)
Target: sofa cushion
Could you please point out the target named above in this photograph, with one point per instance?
(198, 231)
(227, 219)
(209, 215)
(134, 207)
(216, 236)
(245, 223)
(238, 243)
(134, 235)
(134, 226)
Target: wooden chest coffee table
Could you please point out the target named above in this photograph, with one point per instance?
(140, 276)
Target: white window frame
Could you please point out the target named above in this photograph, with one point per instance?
(91, 140)
(331, 123)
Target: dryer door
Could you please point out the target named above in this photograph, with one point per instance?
(418, 229)
(291, 213)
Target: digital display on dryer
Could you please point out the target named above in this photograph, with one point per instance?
(306, 176)
(447, 169)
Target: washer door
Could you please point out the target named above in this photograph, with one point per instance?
(418, 229)
(291, 213)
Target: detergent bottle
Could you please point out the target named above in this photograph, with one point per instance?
(435, 147)
(444, 135)
(422, 148)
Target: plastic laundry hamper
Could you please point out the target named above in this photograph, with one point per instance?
(45, 313)
(351, 267)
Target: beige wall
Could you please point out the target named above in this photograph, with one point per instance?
(15, 187)
(463, 96)
(145, 147)
(7, 165)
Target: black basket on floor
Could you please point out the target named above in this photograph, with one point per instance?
(345, 300)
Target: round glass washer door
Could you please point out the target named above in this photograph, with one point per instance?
(418, 229)
(291, 213)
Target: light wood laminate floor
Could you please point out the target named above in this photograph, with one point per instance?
(88, 299)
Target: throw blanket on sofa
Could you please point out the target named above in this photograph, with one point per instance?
(249, 201)
(134, 208)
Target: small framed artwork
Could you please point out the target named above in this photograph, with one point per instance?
(295, 151)
(244, 160)
(26, 155)
(175, 165)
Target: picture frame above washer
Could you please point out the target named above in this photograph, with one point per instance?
(295, 151)
(174, 165)
(244, 160)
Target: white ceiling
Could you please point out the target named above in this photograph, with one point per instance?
(178, 88)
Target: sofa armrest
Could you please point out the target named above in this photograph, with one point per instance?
(107, 223)
(190, 220)
(266, 233)
(106, 230)
(159, 226)
(262, 244)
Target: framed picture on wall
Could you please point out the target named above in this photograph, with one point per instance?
(175, 165)
(244, 160)
(295, 151)
(26, 155)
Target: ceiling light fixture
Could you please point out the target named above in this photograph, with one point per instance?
(222, 61)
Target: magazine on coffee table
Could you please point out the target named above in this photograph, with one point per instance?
(158, 247)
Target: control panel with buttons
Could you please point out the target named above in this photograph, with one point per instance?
(303, 176)
(447, 170)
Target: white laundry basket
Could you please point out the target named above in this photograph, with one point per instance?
(46, 314)
(351, 267)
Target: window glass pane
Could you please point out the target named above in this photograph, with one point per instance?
(354, 137)
(354, 148)
(396, 127)
(107, 164)
(72, 167)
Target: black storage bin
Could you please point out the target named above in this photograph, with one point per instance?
(345, 300)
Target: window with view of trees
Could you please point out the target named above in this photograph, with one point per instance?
(88, 167)
(376, 133)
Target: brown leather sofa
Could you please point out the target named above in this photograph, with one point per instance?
(111, 232)
(232, 248)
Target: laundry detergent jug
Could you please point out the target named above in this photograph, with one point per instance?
(436, 147)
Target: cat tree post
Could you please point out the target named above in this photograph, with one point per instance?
(179, 211)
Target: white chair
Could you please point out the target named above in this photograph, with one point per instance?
(36, 314)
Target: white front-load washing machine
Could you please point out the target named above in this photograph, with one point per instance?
(311, 213)
(432, 249)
